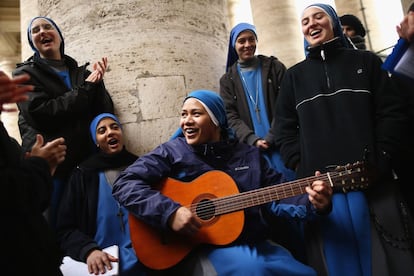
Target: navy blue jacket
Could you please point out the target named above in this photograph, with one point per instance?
(178, 160)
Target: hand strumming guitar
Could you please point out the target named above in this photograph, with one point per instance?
(184, 222)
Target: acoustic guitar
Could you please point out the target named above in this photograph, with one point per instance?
(215, 199)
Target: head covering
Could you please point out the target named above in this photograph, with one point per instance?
(336, 23)
(95, 122)
(232, 54)
(354, 22)
(29, 34)
(214, 106)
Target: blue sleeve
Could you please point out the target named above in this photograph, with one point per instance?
(134, 188)
(297, 207)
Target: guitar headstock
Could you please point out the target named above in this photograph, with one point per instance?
(350, 177)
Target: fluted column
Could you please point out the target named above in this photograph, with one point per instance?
(158, 51)
(278, 29)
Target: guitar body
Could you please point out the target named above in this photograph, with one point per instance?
(162, 250)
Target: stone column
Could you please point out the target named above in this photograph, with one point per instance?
(28, 10)
(158, 51)
(278, 29)
(239, 11)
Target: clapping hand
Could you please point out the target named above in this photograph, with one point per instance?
(53, 152)
(99, 69)
(12, 90)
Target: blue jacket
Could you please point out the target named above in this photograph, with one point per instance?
(178, 160)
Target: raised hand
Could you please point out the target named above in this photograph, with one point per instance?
(54, 152)
(406, 28)
(99, 69)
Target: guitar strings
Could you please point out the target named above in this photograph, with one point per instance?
(267, 194)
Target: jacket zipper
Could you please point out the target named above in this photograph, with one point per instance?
(328, 81)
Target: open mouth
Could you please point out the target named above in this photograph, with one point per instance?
(190, 131)
(113, 142)
(46, 40)
(315, 32)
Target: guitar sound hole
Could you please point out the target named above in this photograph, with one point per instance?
(205, 209)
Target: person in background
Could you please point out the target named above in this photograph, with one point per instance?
(207, 144)
(29, 246)
(90, 219)
(249, 89)
(331, 111)
(354, 30)
(65, 99)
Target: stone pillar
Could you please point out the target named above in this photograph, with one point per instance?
(239, 11)
(28, 10)
(158, 51)
(278, 29)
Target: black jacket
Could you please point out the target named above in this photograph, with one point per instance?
(237, 109)
(28, 243)
(76, 222)
(54, 110)
(335, 105)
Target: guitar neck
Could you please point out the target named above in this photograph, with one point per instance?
(264, 195)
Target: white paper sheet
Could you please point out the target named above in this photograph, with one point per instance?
(70, 267)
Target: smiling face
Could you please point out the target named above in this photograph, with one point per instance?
(317, 27)
(245, 45)
(109, 136)
(46, 39)
(196, 124)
